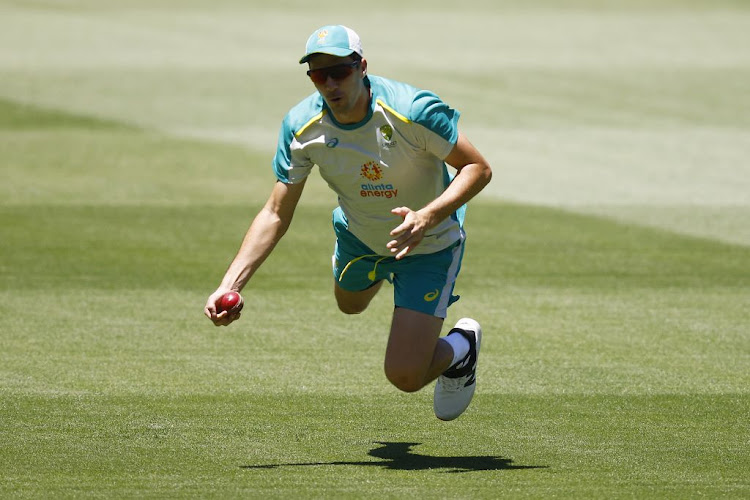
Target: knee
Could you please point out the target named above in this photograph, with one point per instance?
(355, 302)
(403, 380)
(351, 308)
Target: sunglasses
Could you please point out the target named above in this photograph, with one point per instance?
(337, 72)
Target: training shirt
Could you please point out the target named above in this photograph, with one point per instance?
(392, 158)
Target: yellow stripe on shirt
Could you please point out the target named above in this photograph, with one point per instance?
(312, 120)
(393, 111)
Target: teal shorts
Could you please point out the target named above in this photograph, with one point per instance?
(422, 283)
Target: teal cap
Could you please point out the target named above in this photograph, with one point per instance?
(333, 40)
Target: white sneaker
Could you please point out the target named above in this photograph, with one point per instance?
(455, 387)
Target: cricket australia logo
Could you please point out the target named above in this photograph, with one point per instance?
(372, 172)
(386, 134)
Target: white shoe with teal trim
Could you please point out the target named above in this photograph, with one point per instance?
(455, 387)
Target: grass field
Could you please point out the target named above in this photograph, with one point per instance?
(609, 260)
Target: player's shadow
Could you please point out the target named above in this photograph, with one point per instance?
(399, 456)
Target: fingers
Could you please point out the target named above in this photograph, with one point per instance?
(403, 212)
(404, 252)
(221, 318)
(226, 318)
(402, 249)
(408, 234)
(408, 223)
(399, 229)
(405, 242)
(210, 309)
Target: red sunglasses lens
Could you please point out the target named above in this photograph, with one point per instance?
(338, 72)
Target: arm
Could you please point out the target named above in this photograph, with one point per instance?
(474, 173)
(267, 229)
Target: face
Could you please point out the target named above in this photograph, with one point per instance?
(346, 95)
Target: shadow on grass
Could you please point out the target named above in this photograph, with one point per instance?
(399, 456)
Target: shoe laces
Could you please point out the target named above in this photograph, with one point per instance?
(452, 384)
(463, 368)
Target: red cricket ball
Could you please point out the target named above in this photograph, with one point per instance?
(229, 301)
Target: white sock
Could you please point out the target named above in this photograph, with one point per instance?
(460, 346)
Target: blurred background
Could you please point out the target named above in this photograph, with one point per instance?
(637, 110)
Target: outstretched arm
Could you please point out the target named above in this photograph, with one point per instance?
(474, 173)
(266, 230)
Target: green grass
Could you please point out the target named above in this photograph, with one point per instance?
(226, 445)
(615, 361)
(608, 262)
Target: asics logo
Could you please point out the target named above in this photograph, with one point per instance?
(429, 297)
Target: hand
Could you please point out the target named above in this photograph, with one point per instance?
(409, 233)
(223, 318)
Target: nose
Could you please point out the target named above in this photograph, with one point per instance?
(331, 83)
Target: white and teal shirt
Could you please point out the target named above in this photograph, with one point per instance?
(392, 158)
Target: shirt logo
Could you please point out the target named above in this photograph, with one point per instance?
(371, 171)
(332, 143)
(429, 297)
(386, 132)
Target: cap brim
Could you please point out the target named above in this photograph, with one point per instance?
(331, 51)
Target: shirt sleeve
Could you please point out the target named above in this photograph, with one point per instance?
(439, 119)
(289, 163)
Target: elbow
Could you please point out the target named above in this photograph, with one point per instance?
(485, 174)
(282, 227)
(274, 223)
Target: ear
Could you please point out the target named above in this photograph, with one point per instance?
(364, 67)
